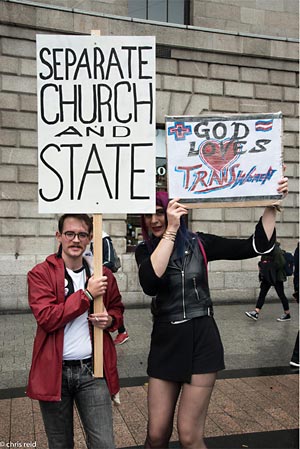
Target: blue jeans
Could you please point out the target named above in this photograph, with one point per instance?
(93, 403)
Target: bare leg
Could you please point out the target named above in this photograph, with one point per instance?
(192, 411)
(162, 398)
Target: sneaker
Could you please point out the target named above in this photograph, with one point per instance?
(253, 315)
(295, 363)
(121, 338)
(284, 317)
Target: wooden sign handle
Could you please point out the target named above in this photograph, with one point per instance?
(98, 302)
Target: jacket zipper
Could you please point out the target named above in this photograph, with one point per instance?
(182, 287)
(182, 291)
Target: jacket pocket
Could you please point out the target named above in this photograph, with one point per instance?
(196, 290)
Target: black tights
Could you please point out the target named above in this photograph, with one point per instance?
(192, 410)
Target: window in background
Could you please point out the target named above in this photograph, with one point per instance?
(134, 232)
(172, 11)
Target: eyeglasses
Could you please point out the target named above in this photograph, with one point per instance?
(158, 213)
(70, 235)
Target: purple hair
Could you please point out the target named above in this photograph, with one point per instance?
(162, 200)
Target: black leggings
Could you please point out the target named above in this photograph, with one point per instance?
(265, 287)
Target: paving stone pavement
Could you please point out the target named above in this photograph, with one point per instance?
(244, 403)
(247, 344)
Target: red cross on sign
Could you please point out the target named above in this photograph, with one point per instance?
(180, 131)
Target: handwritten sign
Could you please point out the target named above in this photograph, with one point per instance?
(96, 123)
(216, 160)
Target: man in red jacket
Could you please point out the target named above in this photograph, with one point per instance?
(61, 291)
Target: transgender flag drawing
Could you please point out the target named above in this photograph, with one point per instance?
(264, 125)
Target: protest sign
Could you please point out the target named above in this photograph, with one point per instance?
(224, 161)
(96, 132)
(96, 123)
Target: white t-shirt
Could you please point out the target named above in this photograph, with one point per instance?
(77, 340)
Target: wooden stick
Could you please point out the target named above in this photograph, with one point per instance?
(98, 302)
(212, 204)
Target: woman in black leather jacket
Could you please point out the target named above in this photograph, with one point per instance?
(186, 350)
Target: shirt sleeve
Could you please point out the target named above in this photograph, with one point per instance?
(147, 277)
(217, 248)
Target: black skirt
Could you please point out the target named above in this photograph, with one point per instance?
(179, 350)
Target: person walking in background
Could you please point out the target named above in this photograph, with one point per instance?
(60, 293)
(295, 356)
(272, 273)
(109, 261)
(186, 351)
(296, 274)
(122, 336)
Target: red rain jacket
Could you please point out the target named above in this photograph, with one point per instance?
(46, 296)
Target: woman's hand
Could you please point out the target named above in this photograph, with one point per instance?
(269, 215)
(161, 255)
(283, 186)
(175, 211)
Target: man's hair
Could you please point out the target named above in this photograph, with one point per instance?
(82, 217)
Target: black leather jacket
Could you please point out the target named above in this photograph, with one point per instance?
(183, 291)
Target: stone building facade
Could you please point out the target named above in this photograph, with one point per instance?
(236, 56)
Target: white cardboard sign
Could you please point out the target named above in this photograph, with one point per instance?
(213, 161)
(96, 123)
